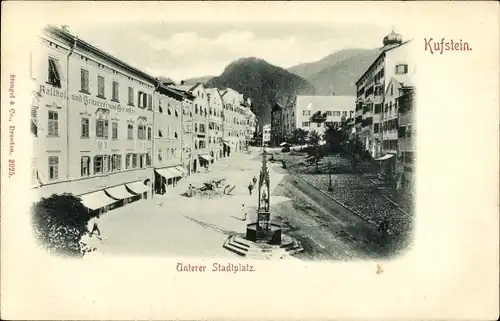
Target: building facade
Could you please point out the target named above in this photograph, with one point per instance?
(337, 109)
(92, 123)
(167, 138)
(215, 128)
(406, 146)
(276, 125)
(394, 62)
(251, 124)
(266, 135)
(199, 150)
(234, 121)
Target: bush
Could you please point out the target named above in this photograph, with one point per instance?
(59, 222)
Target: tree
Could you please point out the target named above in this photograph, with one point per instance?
(299, 136)
(355, 149)
(314, 139)
(59, 222)
(334, 137)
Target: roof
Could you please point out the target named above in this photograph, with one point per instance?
(71, 40)
(186, 88)
(382, 53)
(162, 89)
(211, 91)
(340, 103)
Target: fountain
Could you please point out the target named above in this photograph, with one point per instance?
(263, 239)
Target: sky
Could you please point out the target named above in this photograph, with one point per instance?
(186, 50)
(185, 40)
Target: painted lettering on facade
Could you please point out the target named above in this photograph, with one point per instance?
(85, 99)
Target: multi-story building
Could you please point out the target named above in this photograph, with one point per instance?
(394, 61)
(92, 123)
(406, 147)
(215, 130)
(266, 135)
(337, 109)
(251, 124)
(276, 125)
(289, 120)
(167, 134)
(233, 121)
(200, 153)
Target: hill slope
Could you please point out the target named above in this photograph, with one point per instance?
(337, 72)
(194, 81)
(264, 83)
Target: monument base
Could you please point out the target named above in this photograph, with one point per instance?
(241, 246)
(271, 236)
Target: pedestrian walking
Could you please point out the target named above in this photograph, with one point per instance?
(244, 213)
(93, 226)
(250, 188)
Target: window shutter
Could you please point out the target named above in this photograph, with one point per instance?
(139, 99)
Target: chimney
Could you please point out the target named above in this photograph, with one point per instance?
(65, 28)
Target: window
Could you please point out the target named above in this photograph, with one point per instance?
(130, 96)
(149, 133)
(130, 131)
(401, 69)
(84, 80)
(100, 86)
(54, 75)
(34, 121)
(329, 113)
(306, 113)
(85, 128)
(98, 164)
(141, 131)
(114, 130)
(375, 128)
(134, 160)
(85, 166)
(159, 155)
(53, 123)
(142, 99)
(53, 167)
(160, 134)
(150, 101)
(305, 124)
(142, 161)
(101, 128)
(409, 130)
(115, 94)
(344, 113)
(116, 162)
(160, 109)
(128, 160)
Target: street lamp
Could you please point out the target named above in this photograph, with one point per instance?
(330, 188)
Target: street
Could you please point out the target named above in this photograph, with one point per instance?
(173, 225)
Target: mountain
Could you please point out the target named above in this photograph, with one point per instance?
(264, 83)
(194, 81)
(337, 72)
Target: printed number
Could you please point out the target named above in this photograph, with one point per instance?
(12, 167)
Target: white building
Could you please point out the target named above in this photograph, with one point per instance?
(266, 135)
(337, 109)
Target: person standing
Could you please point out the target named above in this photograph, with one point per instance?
(254, 180)
(244, 213)
(250, 188)
(93, 226)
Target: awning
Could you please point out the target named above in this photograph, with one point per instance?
(165, 172)
(119, 192)
(206, 157)
(384, 157)
(181, 169)
(137, 187)
(96, 200)
(176, 171)
(284, 144)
